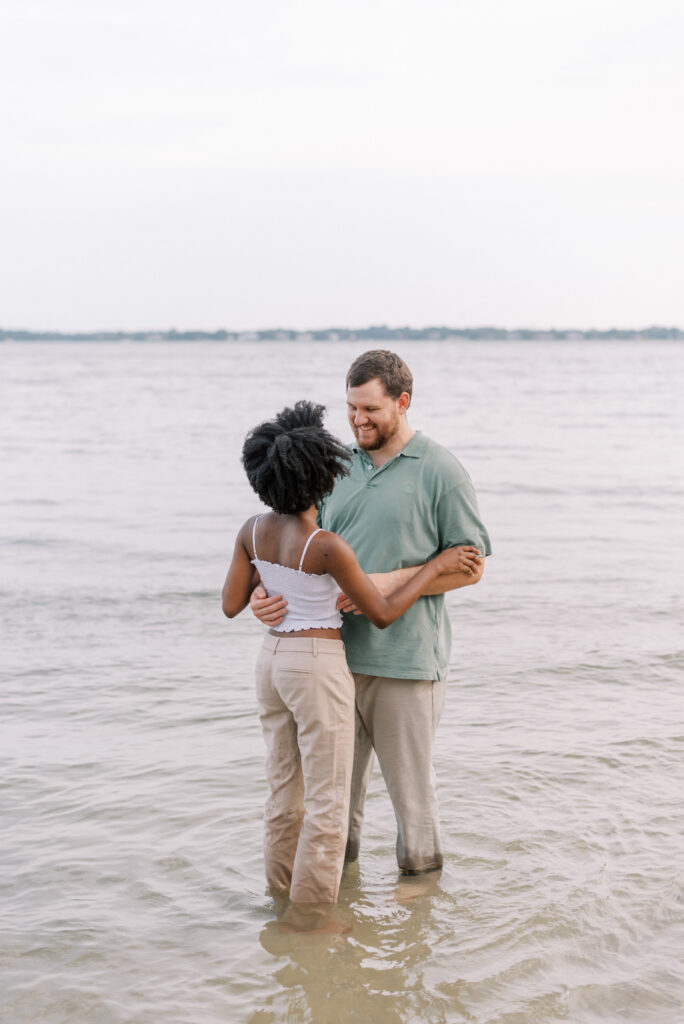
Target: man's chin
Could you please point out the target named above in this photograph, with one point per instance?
(369, 444)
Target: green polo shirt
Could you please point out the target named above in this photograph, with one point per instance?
(402, 514)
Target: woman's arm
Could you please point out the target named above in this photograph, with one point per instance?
(382, 611)
(241, 577)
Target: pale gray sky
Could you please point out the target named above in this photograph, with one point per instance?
(311, 163)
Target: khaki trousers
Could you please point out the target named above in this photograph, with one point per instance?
(397, 718)
(305, 694)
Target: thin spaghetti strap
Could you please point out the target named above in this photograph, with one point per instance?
(306, 547)
(254, 535)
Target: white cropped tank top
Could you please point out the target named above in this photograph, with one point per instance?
(310, 598)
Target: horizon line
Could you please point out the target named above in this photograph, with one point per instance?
(339, 333)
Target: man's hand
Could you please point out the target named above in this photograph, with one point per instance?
(465, 558)
(269, 610)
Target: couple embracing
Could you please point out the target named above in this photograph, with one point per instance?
(380, 532)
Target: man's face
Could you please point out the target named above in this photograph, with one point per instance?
(373, 415)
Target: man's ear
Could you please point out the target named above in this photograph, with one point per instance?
(403, 403)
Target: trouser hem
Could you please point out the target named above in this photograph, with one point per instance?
(422, 871)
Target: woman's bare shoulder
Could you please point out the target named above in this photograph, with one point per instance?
(331, 546)
(246, 532)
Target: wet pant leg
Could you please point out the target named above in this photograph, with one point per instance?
(284, 809)
(361, 774)
(400, 717)
(306, 693)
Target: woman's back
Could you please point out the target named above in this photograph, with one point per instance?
(311, 597)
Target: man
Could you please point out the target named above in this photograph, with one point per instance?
(405, 499)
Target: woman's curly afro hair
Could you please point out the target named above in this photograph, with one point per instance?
(292, 461)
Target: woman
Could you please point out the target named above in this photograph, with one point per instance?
(305, 691)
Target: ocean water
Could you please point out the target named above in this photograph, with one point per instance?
(131, 886)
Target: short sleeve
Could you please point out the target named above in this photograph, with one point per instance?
(458, 519)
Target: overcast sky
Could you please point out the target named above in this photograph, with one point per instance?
(311, 163)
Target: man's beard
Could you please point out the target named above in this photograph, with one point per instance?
(380, 436)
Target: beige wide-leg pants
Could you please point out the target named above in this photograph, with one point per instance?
(398, 718)
(305, 694)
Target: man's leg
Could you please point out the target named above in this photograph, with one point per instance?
(401, 716)
(361, 773)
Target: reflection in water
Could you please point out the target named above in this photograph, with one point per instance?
(412, 887)
(372, 973)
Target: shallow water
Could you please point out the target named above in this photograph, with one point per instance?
(131, 873)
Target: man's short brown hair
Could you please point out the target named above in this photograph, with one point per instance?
(388, 367)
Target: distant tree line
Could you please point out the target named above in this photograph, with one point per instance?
(380, 332)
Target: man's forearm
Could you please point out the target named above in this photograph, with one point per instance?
(454, 580)
(386, 582)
